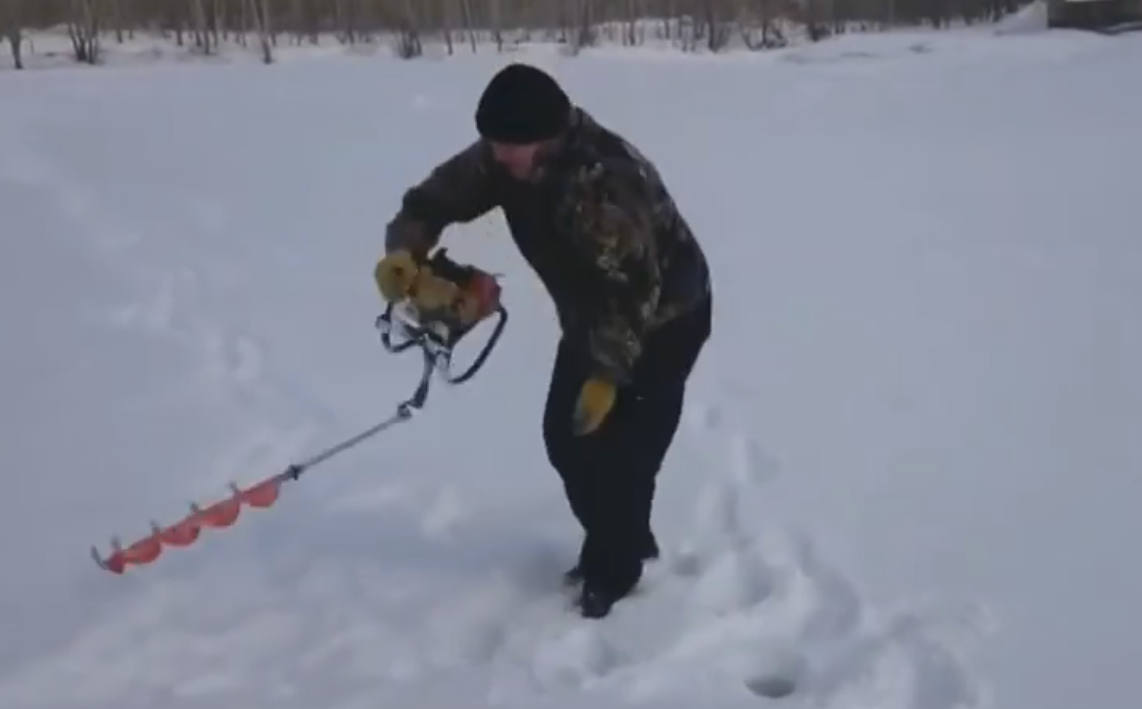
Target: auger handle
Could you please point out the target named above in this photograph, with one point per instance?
(502, 312)
(385, 325)
(436, 348)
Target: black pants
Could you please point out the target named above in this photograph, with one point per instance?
(609, 475)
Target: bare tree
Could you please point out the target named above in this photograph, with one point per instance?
(299, 21)
(759, 12)
(345, 20)
(15, 39)
(176, 19)
(83, 29)
(117, 19)
(717, 35)
(666, 17)
(243, 22)
(628, 16)
(584, 31)
(409, 44)
(466, 6)
(561, 21)
(496, 21)
(11, 21)
(201, 35)
(446, 21)
(218, 21)
(259, 11)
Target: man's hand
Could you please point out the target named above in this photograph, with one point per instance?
(596, 399)
(395, 274)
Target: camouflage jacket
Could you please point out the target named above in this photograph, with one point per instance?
(598, 227)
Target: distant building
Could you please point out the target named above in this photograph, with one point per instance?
(1095, 14)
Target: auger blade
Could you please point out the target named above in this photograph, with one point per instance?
(187, 530)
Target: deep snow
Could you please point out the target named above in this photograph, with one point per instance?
(906, 477)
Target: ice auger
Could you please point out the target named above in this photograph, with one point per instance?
(435, 328)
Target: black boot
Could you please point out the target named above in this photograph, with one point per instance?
(650, 548)
(595, 602)
(574, 575)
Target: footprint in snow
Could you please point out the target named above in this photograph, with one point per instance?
(446, 511)
(704, 418)
(749, 464)
(717, 526)
(779, 673)
(771, 686)
(234, 358)
(733, 582)
(574, 658)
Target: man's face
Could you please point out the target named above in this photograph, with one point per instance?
(518, 159)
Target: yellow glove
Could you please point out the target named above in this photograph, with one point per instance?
(596, 399)
(395, 274)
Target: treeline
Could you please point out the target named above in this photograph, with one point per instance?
(204, 25)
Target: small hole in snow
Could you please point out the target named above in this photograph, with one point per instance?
(773, 687)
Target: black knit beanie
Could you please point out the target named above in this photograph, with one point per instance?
(522, 104)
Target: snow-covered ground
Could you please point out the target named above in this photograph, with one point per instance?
(908, 475)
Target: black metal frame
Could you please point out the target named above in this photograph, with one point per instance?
(437, 350)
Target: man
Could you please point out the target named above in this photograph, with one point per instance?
(630, 285)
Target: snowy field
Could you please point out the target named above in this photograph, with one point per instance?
(907, 477)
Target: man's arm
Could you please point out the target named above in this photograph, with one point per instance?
(616, 231)
(457, 190)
